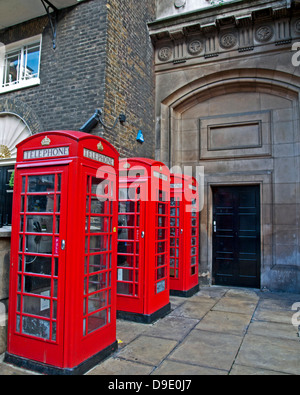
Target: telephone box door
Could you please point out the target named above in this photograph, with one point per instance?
(38, 265)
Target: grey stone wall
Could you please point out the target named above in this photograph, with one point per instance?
(227, 99)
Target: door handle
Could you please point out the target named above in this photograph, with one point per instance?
(143, 235)
(63, 245)
(215, 226)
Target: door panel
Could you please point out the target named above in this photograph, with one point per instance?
(236, 236)
(130, 270)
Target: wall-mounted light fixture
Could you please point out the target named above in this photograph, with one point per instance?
(140, 137)
(96, 118)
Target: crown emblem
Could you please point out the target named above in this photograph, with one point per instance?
(46, 141)
(100, 147)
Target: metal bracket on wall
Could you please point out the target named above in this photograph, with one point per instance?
(52, 15)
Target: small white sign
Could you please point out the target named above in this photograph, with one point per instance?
(47, 153)
(98, 157)
(45, 303)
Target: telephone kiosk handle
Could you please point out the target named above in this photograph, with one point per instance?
(63, 245)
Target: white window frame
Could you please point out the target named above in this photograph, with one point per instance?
(22, 81)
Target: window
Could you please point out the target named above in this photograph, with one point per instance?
(20, 64)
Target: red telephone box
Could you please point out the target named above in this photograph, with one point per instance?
(62, 307)
(184, 236)
(143, 240)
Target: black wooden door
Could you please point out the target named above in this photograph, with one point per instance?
(236, 236)
(6, 195)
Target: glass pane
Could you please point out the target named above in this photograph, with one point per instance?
(97, 321)
(161, 273)
(98, 282)
(36, 285)
(36, 306)
(36, 327)
(32, 64)
(40, 204)
(127, 207)
(127, 260)
(125, 234)
(98, 263)
(124, 289)
(97, 302)
(39, 224)
(39, 244)
(12, 67)
(125, 275)
(38, 265)
(41, 183)
(125, 247)
(98, 243)
(98, 224)
(126, 220)
(97, 207)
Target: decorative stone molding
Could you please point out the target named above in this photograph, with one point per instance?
(264, 33)
(164, 54)
(211, 38)
(195, 47)
(228, 40)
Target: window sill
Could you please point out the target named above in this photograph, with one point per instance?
(5, 232)
(20, 85)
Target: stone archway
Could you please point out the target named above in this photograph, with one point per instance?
(13, 130)
(243, 127)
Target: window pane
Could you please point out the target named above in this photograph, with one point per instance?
(41, 183)
(32, 61)
(36, 327)
(97, 321)
(12, 67)
(38, 265)
(40, 204)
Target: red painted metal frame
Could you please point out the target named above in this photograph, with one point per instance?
(144, 178)
(80, 293)
(184, 235)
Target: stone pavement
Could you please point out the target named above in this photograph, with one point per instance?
(218, 331)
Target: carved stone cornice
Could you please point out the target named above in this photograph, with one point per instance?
(238, 31)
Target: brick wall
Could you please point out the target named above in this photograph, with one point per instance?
(129, 83)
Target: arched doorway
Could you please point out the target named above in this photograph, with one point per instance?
(12, 131)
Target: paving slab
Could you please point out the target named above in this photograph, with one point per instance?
(241, 304)
(239, 370)
(279, 316)
(174, 368)
(274, 329)
(128, 331)
(208, 349)
(147, 350)
(194, 309)
(172, 327)
(225, 322)
(266, 352)
(120, 367)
